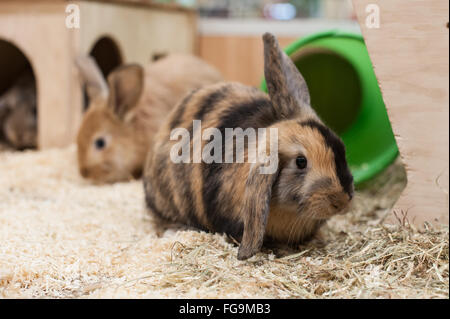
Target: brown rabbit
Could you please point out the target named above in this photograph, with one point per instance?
(310, 183)
(18, 114)
(126, 112)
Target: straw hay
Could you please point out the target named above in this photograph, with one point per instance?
(62, 237)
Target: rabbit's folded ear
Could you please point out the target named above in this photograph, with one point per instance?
(286, 86)
(255, 208)
(125, 88)
(93, 78)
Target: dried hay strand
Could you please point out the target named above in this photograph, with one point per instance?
(62, 237)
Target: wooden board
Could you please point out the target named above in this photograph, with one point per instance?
(166, 6)
(138, 31)
(237, 58)
(410, 55)
(38, 30)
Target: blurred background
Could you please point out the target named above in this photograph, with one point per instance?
(230, 30)
(270, 9)
(36, 42)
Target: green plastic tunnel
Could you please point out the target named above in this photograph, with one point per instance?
(345, 94)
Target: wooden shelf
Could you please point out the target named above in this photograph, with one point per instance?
(256, 27)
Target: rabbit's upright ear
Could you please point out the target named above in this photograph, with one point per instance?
(286, 86)
(125, 88)
(256, 208)
(96, 85)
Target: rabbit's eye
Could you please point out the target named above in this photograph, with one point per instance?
(100, 143)
(301, 162)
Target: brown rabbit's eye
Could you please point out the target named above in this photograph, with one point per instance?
(301, 162)
(100, 143)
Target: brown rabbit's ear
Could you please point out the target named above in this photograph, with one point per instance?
(125, 88)
(96, 85)
(256, 211)
(286, 86)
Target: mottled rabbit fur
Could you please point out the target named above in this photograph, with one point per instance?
(312, 181)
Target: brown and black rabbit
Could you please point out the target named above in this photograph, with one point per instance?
(310, 183)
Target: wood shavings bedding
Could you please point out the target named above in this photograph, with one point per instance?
(62, 237)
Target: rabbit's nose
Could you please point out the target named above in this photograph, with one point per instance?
(339, 201)
(84, 171)
(338, 205)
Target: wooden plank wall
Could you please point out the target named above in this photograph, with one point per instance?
(410, 54)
